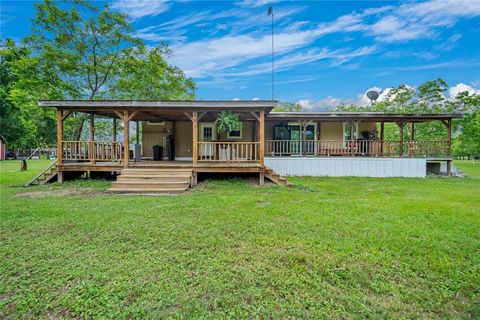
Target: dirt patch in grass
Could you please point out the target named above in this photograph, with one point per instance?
(61, 192)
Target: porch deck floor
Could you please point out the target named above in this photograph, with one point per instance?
(202, 166)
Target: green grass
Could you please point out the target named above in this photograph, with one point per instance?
(329, 248)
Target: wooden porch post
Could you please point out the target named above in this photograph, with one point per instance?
(114, 138)
(137, 137)
(382, 136)
(92, 138)
(351, 123)
(262, 138)
(401, 124)
(304, 137)
(448, 123)
(412, 137)
(195, 137)
(59, 144)
(449, 127)
(126, 138)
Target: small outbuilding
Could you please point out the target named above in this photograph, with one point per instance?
(3, 146)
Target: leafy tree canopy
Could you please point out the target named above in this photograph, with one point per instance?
(78, 50)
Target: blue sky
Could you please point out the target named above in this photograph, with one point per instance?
(326, 52)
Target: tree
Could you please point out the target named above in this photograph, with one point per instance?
(79, 51)
(144, 74)
(429, 97)
(287, 107)
(81, 46)
(23, 83)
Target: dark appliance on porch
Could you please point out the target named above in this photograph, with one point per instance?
(170, 148)
(281, 132)
(157, 152)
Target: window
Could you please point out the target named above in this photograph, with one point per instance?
(235, 134)
(207, 131)
(347, 129)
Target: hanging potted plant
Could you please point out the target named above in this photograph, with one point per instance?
(228, 121)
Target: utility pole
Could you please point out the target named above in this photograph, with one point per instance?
(271, 13)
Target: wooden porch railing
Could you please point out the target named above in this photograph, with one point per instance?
(92, 150)
(228, 151)
(371, 148)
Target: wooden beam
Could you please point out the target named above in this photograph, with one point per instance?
(201, 115)
(119, 114)
(188, 115)
(262, 137)
(65, 114)
(195, 137)
(59, 137)
(131, 115)
(92, 138)
(114, 130)
(255, 115)
(126, 139)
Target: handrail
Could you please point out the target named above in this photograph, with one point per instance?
(372, 148)
(92, 150)
(231, 151)
(52, 164)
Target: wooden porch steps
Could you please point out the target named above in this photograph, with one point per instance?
(276, 178)
(153, 180)
(45, 176)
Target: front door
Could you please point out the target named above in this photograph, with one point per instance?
(297, 146)
(208, 133)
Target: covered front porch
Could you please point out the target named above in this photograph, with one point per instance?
(204, 153)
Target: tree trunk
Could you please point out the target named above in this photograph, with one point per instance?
(77, 130)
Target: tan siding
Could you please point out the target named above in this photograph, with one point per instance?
(331, 131)
(247, 133)
(366, 126)
(183, 139)
(153, 135)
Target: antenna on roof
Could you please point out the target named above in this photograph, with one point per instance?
(373, 96)
(271, 13)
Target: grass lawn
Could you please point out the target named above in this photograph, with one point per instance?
(328, 248)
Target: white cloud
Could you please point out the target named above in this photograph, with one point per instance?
(244, 47)
(331, 103)
(327, 104)
(255, 3)
(137, 9)
(416, 20)
(461, 87)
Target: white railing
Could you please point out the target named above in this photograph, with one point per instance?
(372, 148)
(228, 151)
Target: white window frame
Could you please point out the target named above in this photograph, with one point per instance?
(203, 125)
(236, 137)
(355, 134)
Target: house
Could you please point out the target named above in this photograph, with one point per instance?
(179, 142)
